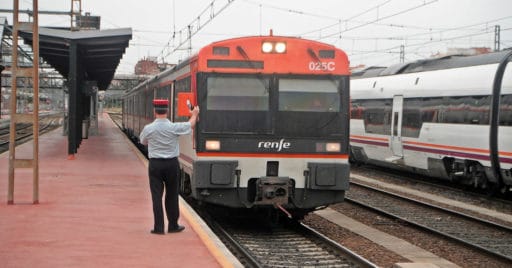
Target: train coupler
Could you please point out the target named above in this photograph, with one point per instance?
(272, 190)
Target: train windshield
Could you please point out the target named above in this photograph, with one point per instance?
(237, 94)
(309, 107)
(292, 106)
(237, 104)
(301, 95)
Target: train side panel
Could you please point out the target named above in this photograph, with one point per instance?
(441, 126)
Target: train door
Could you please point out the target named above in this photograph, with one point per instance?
(395, 142)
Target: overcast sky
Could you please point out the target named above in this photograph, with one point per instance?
(370, 31)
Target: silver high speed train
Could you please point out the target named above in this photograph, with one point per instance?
(449, 118)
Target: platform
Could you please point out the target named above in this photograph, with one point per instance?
(94, 211)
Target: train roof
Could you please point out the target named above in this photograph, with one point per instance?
(448, 62)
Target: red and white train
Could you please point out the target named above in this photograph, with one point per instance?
(274, 122)
(449, 118)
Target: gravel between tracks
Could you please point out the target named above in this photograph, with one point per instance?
(395, 177)
(358, 244)
(382, 257)
(458, 254)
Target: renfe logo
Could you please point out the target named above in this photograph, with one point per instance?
(279, 145)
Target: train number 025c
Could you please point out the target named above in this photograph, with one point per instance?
(322, 66)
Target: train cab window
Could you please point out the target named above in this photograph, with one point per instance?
(236, 104)
(237, 94)
(224, 51)
(309, 107)
(303, 95)
(326, 54)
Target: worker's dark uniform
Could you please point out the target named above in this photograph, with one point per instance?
(161, 136)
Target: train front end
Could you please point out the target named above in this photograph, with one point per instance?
(274, 125)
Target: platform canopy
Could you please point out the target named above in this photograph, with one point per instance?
(88, 60)
(99, 51)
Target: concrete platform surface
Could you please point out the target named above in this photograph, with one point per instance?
(94, 211)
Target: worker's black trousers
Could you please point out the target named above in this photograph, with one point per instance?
(164, 175)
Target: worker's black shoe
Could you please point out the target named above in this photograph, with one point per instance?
(176, 229)
(157, 232)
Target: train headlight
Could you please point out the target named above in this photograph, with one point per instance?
(212, 145)
(333, 147)
(267, 47)
(280, 47)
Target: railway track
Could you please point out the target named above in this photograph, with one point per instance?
(289, 245)
(483, 235)
(24, 130)
(117, 119)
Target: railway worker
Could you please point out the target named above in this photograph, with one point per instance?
(161, 137)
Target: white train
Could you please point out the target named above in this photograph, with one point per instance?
(449, 118)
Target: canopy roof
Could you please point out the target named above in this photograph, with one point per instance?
(100, 51)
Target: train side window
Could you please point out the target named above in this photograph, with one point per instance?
(374, 121)
(465, 110)
(356, 111)
(163, 92)
(137, 104)
(149, 104)
(506, 110)
(411, 117)
(377, 116)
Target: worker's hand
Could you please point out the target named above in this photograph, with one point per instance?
(195, 111)
(194, 116)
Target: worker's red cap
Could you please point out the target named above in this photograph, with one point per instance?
(162, 103)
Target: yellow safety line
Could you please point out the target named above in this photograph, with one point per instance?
(207, 241)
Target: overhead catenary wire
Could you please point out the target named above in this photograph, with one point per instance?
(192, 28)
(348, 19)
(434, 41)
(386, 38)
(379, 19)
